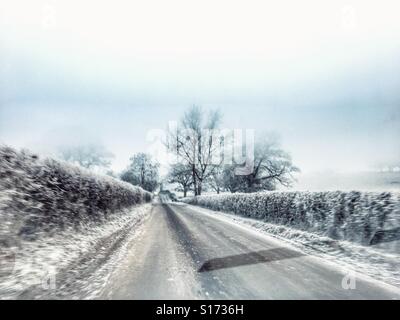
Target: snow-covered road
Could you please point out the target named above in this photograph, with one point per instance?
(182, 253)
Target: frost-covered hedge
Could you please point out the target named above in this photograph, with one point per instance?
(362, 217)
(41, 196)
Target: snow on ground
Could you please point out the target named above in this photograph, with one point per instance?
(370, 261)
(72, 264)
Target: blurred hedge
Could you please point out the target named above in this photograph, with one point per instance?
(47, 195)
(362, 217)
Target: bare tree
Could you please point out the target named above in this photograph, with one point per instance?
(216, 179)
(181, 175)
(142, 171)
(195, 143)
(87, 156)
(272, 167)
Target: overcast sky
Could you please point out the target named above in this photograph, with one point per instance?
(325, 75)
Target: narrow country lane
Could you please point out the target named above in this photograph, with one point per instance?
(182, 253)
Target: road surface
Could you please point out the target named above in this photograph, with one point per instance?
(182, 253)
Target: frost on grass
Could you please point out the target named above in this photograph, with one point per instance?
(53, 214)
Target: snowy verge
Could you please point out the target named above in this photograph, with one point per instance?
(369, 261)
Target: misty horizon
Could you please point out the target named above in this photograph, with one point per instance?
(326, 84)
